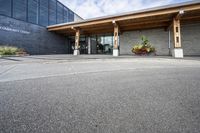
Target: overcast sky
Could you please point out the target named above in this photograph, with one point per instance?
(96, 8)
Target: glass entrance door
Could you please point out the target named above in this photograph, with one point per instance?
(104, 44)
(99, 44)
(83, 47)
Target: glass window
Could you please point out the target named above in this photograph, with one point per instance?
(19, 9)
(104, 44)
(43, 12)
(5, 7)
(59, 13)
(108, 44)
(52, 12)
(93, 44)
(66, 15)
(71, 16)
(33, 11)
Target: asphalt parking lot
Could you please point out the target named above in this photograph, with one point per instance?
(96, 94)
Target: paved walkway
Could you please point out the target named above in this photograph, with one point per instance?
(60, 58)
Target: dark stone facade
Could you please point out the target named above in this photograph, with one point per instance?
(33, 38)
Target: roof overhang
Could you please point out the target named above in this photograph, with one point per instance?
(146, 19)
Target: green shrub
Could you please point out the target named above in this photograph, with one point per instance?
(8, 50)
(144, 47)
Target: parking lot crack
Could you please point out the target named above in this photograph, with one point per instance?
(5, 71)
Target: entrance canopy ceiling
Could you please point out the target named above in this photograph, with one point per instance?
(161, 17)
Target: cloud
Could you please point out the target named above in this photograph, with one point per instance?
(97, 8)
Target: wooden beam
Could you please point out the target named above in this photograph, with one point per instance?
(99, 28)
(116, 24)
(177, 17)
(180, 14)
(146, 26)
(127, 25)
(73, 28)
(97, 32)
(190, 18)
(177, 33)
(76, 29)
(188, 21)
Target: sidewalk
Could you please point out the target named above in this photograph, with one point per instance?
(72, 58)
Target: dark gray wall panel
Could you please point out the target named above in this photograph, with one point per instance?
(66, 19)
(33, 11)
(20, 9)
(33, 38)
(71, 16)
(60, 9)
(43, 17)
(52, 12)
(5, 7)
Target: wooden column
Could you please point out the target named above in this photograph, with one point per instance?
(177, 33)
(116, 37)
(77, 38)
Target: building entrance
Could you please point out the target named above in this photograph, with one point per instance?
(82, 43)
(99, 44)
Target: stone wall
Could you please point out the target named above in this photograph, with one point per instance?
(190, 35)
(33, 38)
(158, 38)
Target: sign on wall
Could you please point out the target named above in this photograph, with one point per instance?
(13, 30)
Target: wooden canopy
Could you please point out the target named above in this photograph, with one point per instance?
(161, 17)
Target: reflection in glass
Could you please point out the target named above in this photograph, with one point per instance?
(104, 44)
(99, 44)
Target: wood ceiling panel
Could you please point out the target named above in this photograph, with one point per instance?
(146, 23)
(141, 27)
(98, 28)
(152, 18)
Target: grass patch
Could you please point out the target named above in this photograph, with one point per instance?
(9, 50)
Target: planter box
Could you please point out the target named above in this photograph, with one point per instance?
(146, 54)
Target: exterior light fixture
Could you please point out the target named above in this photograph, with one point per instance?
(181, 12)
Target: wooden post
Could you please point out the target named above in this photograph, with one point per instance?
(116, 37)
(77, 38)
(177, 51)
(177, 33)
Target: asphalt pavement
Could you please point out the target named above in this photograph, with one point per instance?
(39, 94)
